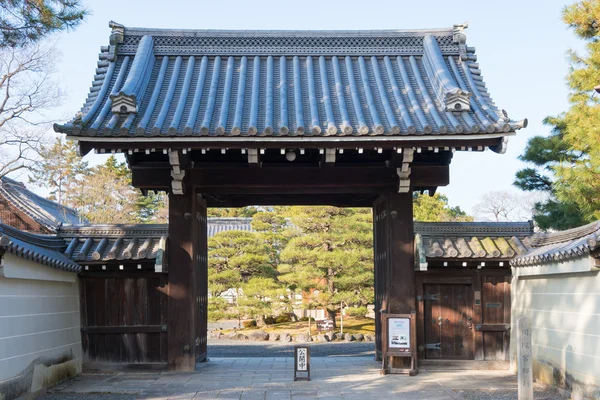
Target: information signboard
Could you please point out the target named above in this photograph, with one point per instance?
(399, 340)
(399, 334)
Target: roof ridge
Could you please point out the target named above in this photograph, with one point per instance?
(548, 238)
(288, 32)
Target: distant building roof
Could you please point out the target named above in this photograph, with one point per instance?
(42, 249)
(560, 246)
(157, 83)
(47, 213)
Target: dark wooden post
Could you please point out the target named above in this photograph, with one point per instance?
(394, 258)
(185, 258)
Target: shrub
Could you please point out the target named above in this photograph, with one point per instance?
(356, 311)
(269, 320)
(304, 319)
(283, 318)
(249, 323)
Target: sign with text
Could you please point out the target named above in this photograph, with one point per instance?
(399, 334)
(524, 356)
(301, 362)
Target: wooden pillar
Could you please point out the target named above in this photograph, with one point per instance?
(394, 258)
(187, 252)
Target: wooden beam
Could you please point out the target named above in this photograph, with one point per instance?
(182, 275)
(297, 143)
(91, 330)
(292, 180)
(337, 200)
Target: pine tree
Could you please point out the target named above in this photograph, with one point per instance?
(331, 259)
(567, 163)
(27, 21)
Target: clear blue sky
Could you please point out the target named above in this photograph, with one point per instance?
(520, 45)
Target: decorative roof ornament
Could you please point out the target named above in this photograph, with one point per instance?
(460, 37)
(116, 37)
(449, 94)
(126, 100)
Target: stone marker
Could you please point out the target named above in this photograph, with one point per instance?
(524, 359)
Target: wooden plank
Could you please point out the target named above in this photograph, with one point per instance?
(276, 143)
(95, 330)
(433, 330)
(420, 317)
(507, 308)
(201, 281)
(401, 273)
(182, 274)
(493, 327)
(477, 318)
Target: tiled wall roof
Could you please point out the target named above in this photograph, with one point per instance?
(560, 246)
(471, 240)
(45, 212)
(42, 249)
(156, 83)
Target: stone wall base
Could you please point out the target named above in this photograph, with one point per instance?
(42, 373)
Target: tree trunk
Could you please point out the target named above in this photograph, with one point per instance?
(331, 314)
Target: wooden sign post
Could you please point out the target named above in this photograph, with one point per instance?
(399, 337)
(525, 373)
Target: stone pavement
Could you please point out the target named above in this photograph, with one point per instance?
(272, 379)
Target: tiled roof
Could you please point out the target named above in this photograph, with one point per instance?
(42, 249)
(217, 225)
(144, 242)
(560, 246)
(190, 83)
(101, 243)
(471, 240)
(46, 212)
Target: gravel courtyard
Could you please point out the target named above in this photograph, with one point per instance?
(246, 348)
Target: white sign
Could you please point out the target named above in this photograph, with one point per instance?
(525, 373)
(301, 359)
(399, 333)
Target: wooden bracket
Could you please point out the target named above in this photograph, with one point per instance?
(404, 171)
(176, 173)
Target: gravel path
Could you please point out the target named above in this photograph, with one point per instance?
(236, 348)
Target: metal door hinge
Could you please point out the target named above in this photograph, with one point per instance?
(433, 346)
(435, 297)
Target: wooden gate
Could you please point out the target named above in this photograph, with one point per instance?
(201, 282)
(124, 319)
(495, 326)
(448, 321)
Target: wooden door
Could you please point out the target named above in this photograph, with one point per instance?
(201, 283)
(124, 320)
(448, 324)
(496, 316)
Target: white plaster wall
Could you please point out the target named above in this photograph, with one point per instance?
(39, 316)
(564, 309)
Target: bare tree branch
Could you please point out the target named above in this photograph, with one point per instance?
(26, 91)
